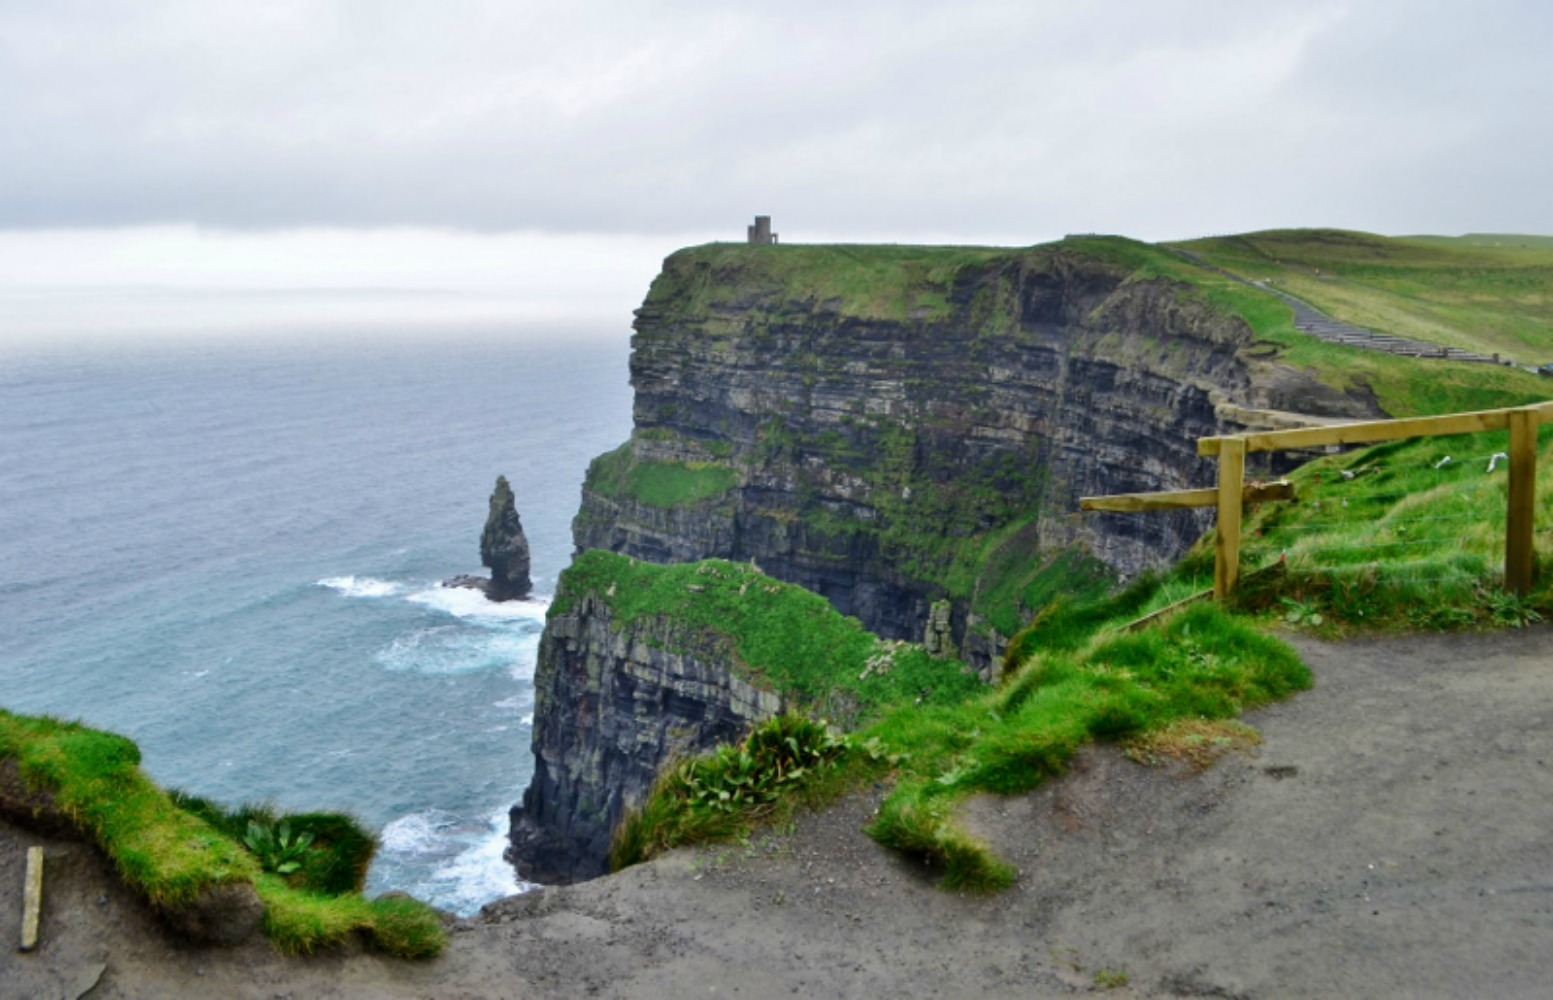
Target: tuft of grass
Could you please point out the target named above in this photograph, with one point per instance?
(780, 763)
(339, 849)
(913, 822)
(300, 922)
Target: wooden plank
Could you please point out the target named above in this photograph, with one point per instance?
(1226, 539)
(32, 898)
(1522, 501)
(1365, 432)
(1166, 611)
(1128, 503)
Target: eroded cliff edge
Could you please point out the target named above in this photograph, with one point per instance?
(896, 428)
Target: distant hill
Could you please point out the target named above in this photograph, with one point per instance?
(1487, 293)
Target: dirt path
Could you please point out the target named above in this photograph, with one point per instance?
(1391, 838)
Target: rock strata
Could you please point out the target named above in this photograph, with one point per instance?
(890, 452)
(613, 703)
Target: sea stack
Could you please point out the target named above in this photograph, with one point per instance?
(503, 548)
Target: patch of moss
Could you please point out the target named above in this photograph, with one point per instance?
(619, 474)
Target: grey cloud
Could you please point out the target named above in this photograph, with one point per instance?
(1163, 119)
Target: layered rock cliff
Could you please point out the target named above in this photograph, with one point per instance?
(642, 663)
(904, 432)
(614, 703)
(893, 427)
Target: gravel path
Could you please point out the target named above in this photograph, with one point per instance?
(1389, 839)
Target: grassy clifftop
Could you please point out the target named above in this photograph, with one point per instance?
(1486, 294)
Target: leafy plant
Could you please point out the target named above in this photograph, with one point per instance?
(1297, 612)
(1508, 609)
(277, 848)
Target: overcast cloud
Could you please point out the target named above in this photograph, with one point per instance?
(668, 120)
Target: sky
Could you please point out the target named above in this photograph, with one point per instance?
(206, 165)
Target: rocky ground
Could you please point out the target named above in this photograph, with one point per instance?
(1390, 838)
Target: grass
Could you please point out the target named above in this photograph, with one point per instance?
(657, 483)
(933, 730)
(170, 847)
(1484, 294)
(1395, 537)
(781, 637)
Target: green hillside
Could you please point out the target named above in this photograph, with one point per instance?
(1484, 293)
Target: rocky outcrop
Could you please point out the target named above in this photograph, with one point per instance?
(614, 701)
(503, 549)
(898, 420)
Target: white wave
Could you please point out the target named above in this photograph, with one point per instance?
(471, 871)
(456, 648)
(418, 833)
(463, 602)
(359, 586)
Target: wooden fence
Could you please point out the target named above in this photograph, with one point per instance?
(1232, 491)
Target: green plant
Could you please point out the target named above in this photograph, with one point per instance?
(278, 850)
(1508, 609)
(721, 793)
(1110, 979)
(1297, 612)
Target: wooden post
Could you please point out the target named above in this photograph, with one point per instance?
(1522, 501)
(1226, 544)
(32, 898)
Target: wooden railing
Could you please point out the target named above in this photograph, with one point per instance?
(1233, 492)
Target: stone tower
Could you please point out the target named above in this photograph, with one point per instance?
(760, 233)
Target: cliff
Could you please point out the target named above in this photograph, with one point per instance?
(901, 428)
(640, 664)
(901, 432)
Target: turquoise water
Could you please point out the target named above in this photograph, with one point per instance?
(231, 555)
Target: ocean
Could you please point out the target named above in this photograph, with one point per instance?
(231, 554)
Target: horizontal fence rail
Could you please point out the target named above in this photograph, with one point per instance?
(1232, 492)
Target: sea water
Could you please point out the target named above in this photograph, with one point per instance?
(231, 554)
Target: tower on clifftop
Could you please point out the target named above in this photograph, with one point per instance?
(760, 233)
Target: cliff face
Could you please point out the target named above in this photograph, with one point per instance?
(613, 704)
(895, 427)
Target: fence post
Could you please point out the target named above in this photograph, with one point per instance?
(1522, 500)
(1226, 538)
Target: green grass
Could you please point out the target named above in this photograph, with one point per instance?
(937, 730)
(1485, 294)
(1200, 664)
(620, 474)
(781, 637)
(863, 281)
(1403, 541)
(170, 847)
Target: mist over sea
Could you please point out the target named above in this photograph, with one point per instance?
(230, 553)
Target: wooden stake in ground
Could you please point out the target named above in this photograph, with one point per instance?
(32, 898)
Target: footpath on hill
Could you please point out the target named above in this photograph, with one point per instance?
(1389, 838)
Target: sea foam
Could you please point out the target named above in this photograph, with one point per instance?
(360, 586)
